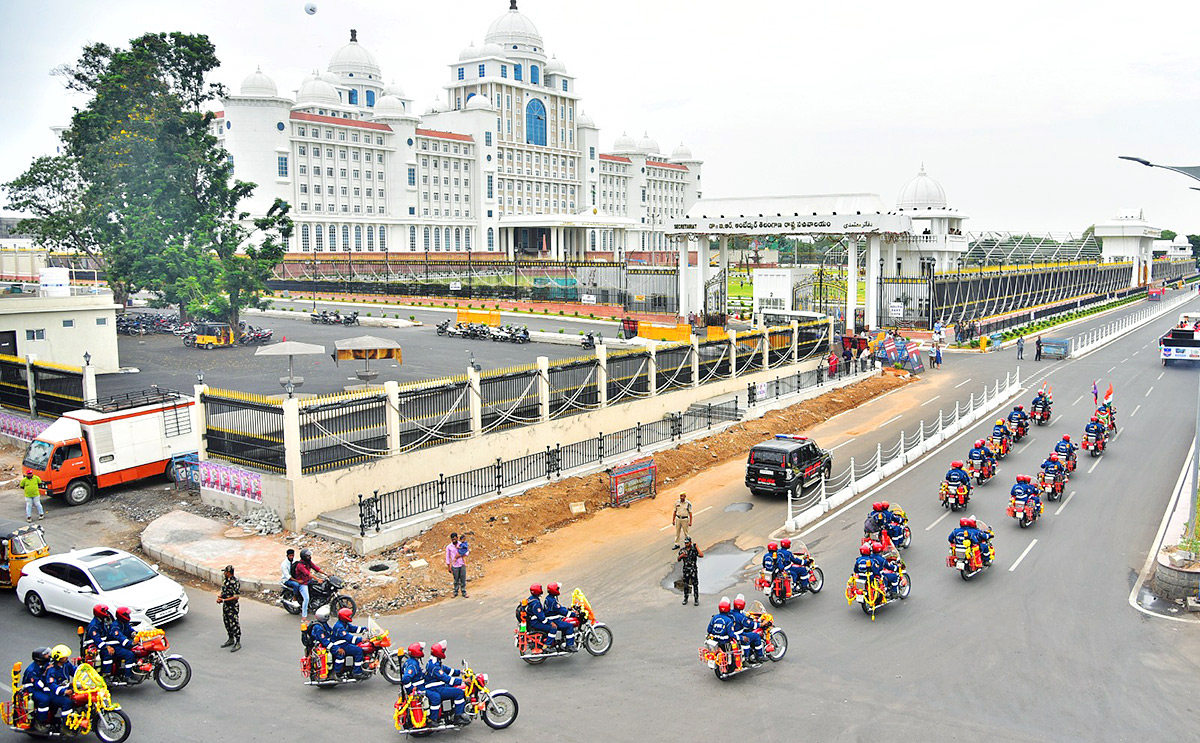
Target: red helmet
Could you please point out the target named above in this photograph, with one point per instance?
(876, 547)
(972, 523)
(535, 589)
(438, 650)
(865, 549)
(979, 444)
(345, 614)
(772, 546)
(123, 613)
(553, 589)
(1023, 478)
(956, 463)
(723, 606)
(1066, 437)
(876, 506)
(964, 521)
(1095, 419)
(785, 543)
(1054, 456)
(884, 505)
(416, 650)
(100, 611)
(739, 602)
(1020, 407)
(28, 472)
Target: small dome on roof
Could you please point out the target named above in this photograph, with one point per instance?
(1181, 241)
(479, 103)
(388, 106)
(436, 107)
(624, 143)
(491, 50)
(259, 84)
(318, 91)
(393, 89)
(922, 192)
(469, 53)
(556, 65)
(647, 145)
(331, 78)
(354, 59)
(514, 28)
(681, 153)
(583, 121)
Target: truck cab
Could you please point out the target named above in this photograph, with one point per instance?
(786, 465)
(1182, 342)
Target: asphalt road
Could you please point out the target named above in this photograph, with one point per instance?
(1042, 647)
(163, 360)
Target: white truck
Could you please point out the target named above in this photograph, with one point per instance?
(111, 441)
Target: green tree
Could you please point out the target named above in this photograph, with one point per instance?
(1168, 235)
(1195, 241)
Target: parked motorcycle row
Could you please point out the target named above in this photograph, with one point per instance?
(479, 331)
(142, 323)
(334, 317)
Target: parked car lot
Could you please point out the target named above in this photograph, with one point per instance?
(72, 583)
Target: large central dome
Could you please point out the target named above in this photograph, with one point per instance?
(514, 28)
(922, 192)
(355, 60)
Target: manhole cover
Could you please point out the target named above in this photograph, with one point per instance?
(379, 567)
(743, 507)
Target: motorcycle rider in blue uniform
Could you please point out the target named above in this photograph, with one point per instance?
(794, 563)
(1002, 432)
(1095, 428)
(770, 558)
(743, 628)
(1053, 469)
(412, 677)
(720, 627)
(1025, 490)
(892, 521)
(33, 682)
(446, 683)
(557, 614)
(956, 476)
(96, 636)
(981, 538)
(535, 615)
(322, 635)
(884, 568)
(981, 454)
(120, 639)
(1018, 418)
(876, 521)
(345, 638)
(1042, 400)
(58, 676)
(1065, 448)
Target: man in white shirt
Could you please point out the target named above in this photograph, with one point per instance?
(285, 569)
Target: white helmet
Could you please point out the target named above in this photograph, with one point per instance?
(322, 614)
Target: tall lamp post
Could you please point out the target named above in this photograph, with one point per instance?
(1193, 172)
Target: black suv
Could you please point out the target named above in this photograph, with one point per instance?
(786, 464)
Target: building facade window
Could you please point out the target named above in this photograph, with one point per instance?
(370, 99)
(517, 72)
(458, 238)
(487, 138)
(504, 70)
(35, 335)
(481, 70)
(332, 237)
(491, 238)
(305, 237)
(462, 73)
(535, 123)
(564, 86)
(353, 97)
(426, 239)
(282, 166)
(358, 237)
(370, 237)
(467, 238)
(382, 236)
(534, 75)
(412, 239)
(320, 238)
(345, 237)
(489, 186)
(437, 239)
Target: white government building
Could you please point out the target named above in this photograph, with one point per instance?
(507, 166)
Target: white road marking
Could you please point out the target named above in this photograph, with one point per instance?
(889, 420)
(960, 384)
(935, 397)
(1065, 502)
(834, 448)
(702, 510)
(1139, 407)
(1022, 557)
(1023, 448)
(1093, 466)
(1124, 359)
(1135, 353)
(1110, 370)
(1077, 401)
(935, 523)
(1149, 391)
(1160, 375)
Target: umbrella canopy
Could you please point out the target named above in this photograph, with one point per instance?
(289, 348)
(366, 347)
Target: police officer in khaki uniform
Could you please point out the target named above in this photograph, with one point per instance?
(682, 518)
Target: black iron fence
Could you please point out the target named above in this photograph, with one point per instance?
(628, 375)
(433, 412)
(342, 430)
(244, 429)
(14, 383)
(573, 386)
(57, 388)
(509, 398)
(674, 367)
(380, 509)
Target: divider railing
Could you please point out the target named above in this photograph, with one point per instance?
(832, 491)
(1095, 337)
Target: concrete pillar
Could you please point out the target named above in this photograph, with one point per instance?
(695, 361)
(89, 382)
(291, 438)
(652, 371)
(602, 375)
(874, 276)
(31, 383)
(475, 401)
(723, 262)
(795, 342)
(732, 354)
(851, 281)
(700, 299)
(766, 349)
(681, 277)
(543, 365)
(392, 415)
(200, 421)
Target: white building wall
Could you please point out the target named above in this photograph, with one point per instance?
(64, 328)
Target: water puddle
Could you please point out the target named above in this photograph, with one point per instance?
(722, 566)
(1145, 599)
(738, 507)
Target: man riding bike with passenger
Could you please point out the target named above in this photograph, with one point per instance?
(1065, 449)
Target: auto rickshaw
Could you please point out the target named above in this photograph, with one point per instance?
(19, 545)
(212, 334)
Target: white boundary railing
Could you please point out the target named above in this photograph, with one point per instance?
(888, 460)
(1093, 339)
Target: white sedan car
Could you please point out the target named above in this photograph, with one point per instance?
(72, 583)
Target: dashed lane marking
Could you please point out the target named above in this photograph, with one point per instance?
(1110, 370)
(1093, 466)
(1023, 448)
(1077, 401)
(1159, 375)
(1065, 502)
(835, 448)
(1149, 391)
(935, 523)
(889, 420)
(960, 384)
(935, 397)
(1139, 407)
(1022, 557)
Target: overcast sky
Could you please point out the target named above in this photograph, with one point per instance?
(1019, 109)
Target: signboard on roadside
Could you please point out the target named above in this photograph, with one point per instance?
(895, 309)
(587, 298)
(455, 286)
(632, 481)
